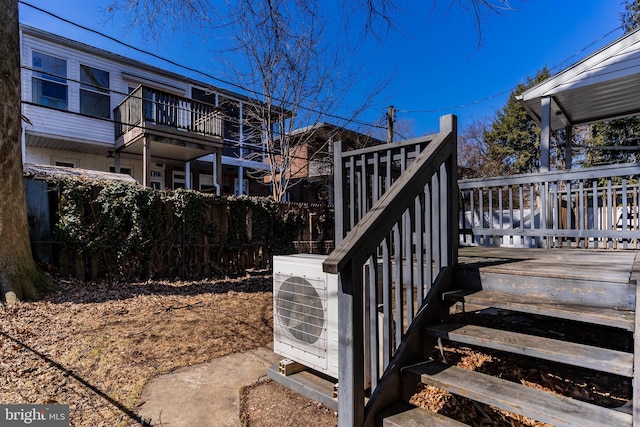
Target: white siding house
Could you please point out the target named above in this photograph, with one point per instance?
(88, 108)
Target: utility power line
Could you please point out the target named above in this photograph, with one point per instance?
(191, 69)
(311, 110)
(487, 98)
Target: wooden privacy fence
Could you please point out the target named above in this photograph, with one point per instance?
(185, 261)
(93, 230)
(587, 208)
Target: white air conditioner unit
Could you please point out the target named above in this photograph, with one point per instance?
(305, 312)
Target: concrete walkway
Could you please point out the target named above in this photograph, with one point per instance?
(204, 395)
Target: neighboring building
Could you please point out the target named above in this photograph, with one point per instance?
(88, 108)
(311, 172)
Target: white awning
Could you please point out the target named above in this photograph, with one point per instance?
(603, 86)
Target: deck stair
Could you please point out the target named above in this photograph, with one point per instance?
(585, 289)
(401, 217)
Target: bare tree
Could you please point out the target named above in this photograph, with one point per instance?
(375, 17)
(295, 72)
(301, 80)
(296, 77)
(475, 157)
(19, 276)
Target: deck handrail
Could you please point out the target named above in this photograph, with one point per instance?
(589, 208)
(395, 250)
(377, 223)
(607, 171)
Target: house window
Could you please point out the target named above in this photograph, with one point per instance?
(157, 179)
(206, 182)
(94, 92)
(123, 170)
(49, 82)
(179, 180)
(239, 191)
(231, 111)
(203, 95)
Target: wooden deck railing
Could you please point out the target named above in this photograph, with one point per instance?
(588, 208)
(398, 230)
(148, 105)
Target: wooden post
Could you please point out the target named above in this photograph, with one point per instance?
(449, 123)
(65, 264)
(635, 276)
(80, 267)
(545, 134)
(568, 153)
(146, 162)
(206, 259)
(350, 349)
(95, 267)
(338, 182)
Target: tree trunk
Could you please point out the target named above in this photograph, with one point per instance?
(19, 276)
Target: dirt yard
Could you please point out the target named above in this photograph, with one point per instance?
(95, 345)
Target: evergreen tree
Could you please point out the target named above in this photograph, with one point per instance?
(614, 133)
(514, 137)
(631, 16)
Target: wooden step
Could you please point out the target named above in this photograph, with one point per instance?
(601, 259)
(533, 403)
(473, 300)
(565, 290)
(589, 269)
(600, 359)
(405, 415)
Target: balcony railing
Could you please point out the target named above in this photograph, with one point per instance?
(154, 107)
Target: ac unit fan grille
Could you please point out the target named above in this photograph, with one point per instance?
(301, 310)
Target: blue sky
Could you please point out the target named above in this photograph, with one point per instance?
(435, 63)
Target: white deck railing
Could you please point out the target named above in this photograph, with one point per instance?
(586, 208)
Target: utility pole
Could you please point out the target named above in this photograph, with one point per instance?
(391, 117)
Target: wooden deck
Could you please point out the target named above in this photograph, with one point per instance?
(401, 202)
(580, 264)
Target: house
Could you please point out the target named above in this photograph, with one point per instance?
(311, 172)
(88, 108)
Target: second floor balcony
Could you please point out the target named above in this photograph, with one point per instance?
(179, 128)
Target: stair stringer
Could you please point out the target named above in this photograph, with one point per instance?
(414, 346)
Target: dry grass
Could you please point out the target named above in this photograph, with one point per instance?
(95, 346)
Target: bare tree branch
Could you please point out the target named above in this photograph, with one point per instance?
(296, 73)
